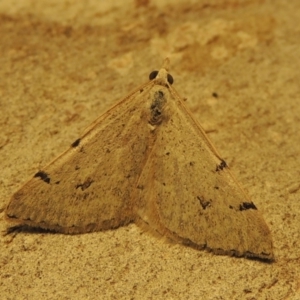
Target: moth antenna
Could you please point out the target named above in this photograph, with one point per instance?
(166, 64)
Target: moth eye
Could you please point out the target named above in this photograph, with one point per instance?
(153, 75)
(170, 79)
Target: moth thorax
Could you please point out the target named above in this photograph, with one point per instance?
(156, 108)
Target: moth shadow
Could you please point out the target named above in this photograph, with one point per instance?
(23, 228)
(14, 230)
(232, 253)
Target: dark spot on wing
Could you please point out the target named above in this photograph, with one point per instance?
(85, 184)
(204, 203)
(215, 95)
(43, 176)
(76, 143)
(247, 205)
(221, 166)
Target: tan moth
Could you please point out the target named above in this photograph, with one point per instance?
(146, 160)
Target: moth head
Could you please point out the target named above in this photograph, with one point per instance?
(163, 74)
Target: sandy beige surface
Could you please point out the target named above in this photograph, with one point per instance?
(63, 63)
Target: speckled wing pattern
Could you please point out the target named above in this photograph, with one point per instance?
(146, 160)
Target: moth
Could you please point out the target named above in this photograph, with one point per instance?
(146, 160)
